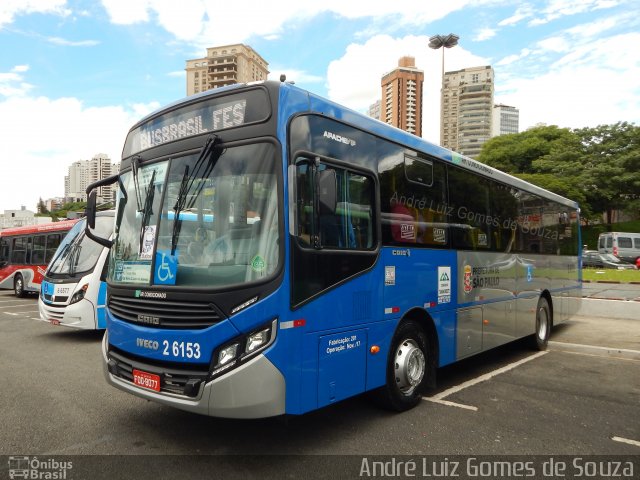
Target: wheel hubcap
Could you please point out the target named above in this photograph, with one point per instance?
(409, 366)
(543, 323)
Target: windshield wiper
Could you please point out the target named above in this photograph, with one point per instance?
(147, 210)
(134, 171)
(201, 170)
(74, 256)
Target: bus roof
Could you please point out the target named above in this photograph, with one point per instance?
(63, 225)
(320, 105)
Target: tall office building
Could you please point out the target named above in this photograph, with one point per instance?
(467, 106)
(505, 120)
(401, 104)
(84, 172)
(225, 65)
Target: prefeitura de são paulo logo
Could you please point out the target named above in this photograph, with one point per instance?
(467, 279)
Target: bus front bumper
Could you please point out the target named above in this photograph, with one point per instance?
(253, 390)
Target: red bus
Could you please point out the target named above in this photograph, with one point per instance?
(25, 253)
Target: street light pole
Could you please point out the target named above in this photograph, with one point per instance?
(436, 42)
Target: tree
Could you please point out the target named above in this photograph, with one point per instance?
(42, 207)
(599, 167)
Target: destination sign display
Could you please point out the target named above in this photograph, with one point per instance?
(210, 115)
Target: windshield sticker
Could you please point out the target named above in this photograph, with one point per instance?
(258, 264)
(132, 272)
(148, 242)
(166, 268)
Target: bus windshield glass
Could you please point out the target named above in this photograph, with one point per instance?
(206, 220)
(78, 253)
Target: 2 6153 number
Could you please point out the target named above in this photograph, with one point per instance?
(181, 349)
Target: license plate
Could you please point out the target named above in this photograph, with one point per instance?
(146, 380)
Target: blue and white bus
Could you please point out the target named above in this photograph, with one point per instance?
(326, 254)
(73, 292)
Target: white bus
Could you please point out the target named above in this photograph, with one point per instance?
(73, 291)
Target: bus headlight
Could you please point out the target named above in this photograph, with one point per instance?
(232, 354)
(227, 354)
(79, 295)
(258, 339)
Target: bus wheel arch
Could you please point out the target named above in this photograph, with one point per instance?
(544, 321)
(411, 362)
(18, 285)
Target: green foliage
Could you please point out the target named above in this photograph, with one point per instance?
(598, 167)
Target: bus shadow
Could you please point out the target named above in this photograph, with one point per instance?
(65, 335)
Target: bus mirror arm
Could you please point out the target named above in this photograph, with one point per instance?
(91, 209)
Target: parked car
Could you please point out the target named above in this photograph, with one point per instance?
(625, 246)
(592, 258)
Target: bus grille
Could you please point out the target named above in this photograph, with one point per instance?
(177, 381)
(164, 313)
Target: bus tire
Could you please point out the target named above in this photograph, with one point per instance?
(18, 286)
(544, 321)
(407, 368)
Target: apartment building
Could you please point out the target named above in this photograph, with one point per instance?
(401, 104)
(84, 172)
(467, 108)
(506, 119)
(225, 65)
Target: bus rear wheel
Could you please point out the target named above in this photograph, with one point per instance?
(543, 325)
(18, 286)
(407, 368)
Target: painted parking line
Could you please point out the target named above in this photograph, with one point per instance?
(626, 440)
(595, 350)
(439, 398)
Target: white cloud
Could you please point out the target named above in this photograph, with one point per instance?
(524, 11)
(559, 8)
(509, 59)
(70, 43)
(369, 61)
(300, 77)
(41, 137)
(484, 34)
(206, 22)
(177, 73)
(591, 85)
(9, 9)
(12, 83)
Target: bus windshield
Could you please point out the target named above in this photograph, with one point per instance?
(77, 253)
(200, 220)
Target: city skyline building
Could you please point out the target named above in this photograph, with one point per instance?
(225, 65)
(401, 104)
(84, 172)
(375, 109)
(467, 109)
(506, 120)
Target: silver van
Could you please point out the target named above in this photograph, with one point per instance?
(625, 246)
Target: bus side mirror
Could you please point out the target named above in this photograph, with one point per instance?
(327, 191)
(91, 208)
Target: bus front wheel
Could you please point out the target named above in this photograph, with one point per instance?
(543, 325)
(18, 286)
(406, 368)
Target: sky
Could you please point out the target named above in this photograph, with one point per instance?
(75, 75)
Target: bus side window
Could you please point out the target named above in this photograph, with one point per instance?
(39, 242)
(18, 250)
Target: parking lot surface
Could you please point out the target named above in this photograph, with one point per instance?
(569, 400)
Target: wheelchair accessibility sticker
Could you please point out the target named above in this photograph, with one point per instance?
(166, 268)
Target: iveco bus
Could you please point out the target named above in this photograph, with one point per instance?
(275, 252)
